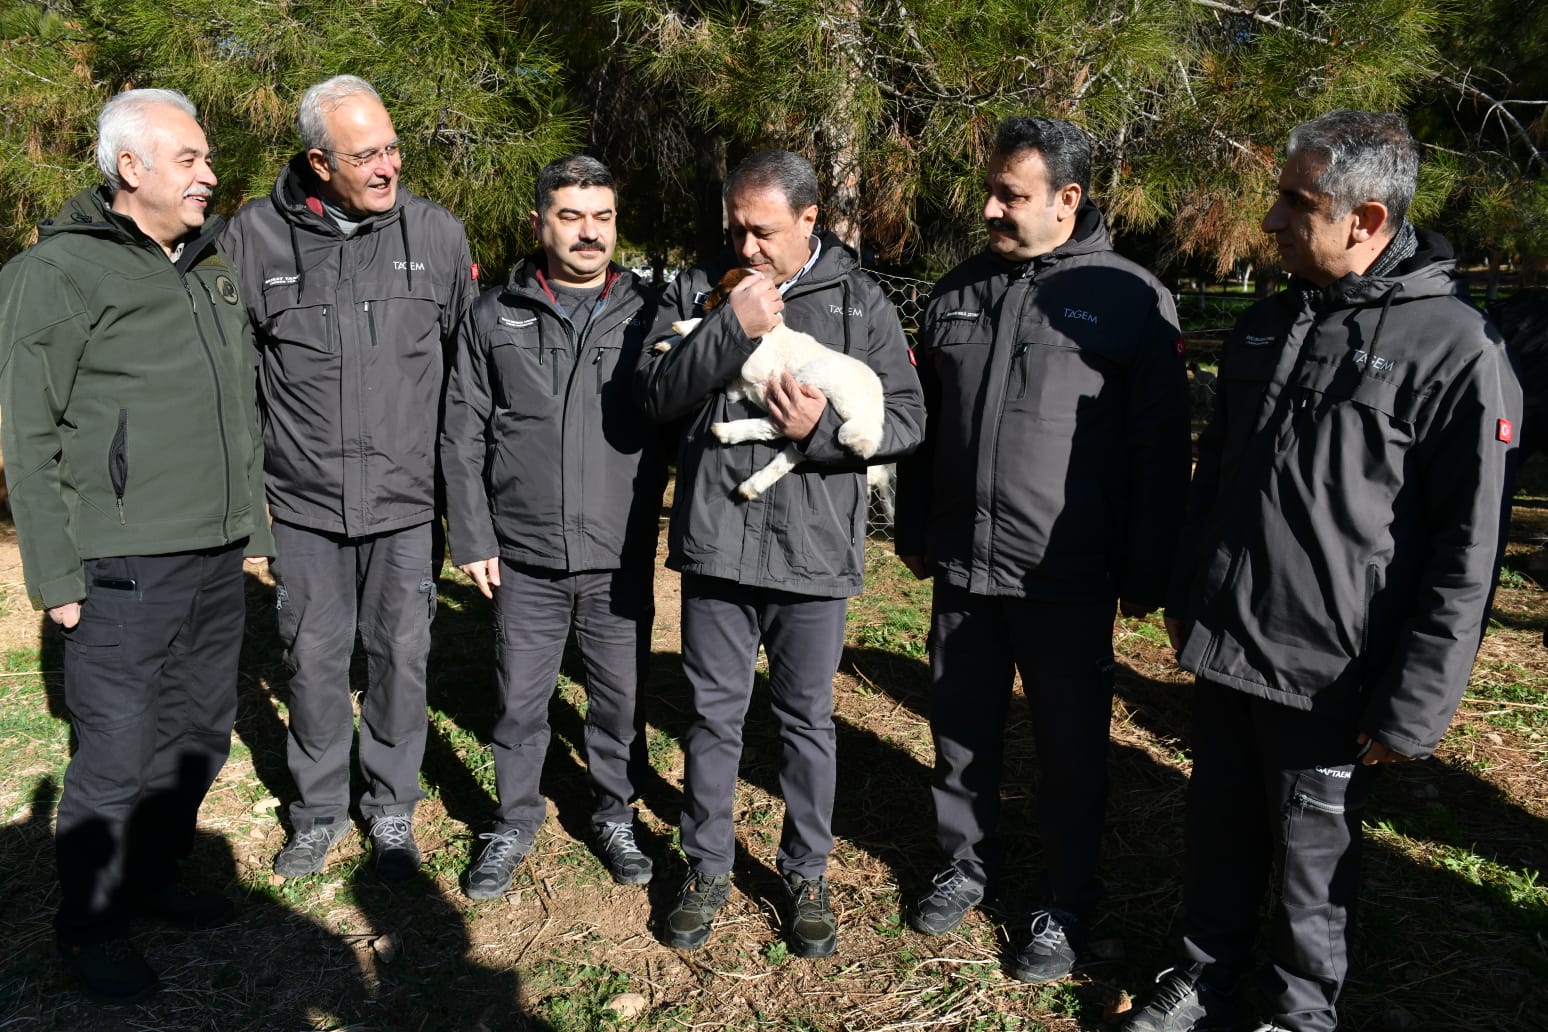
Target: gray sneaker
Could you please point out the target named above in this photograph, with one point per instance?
(307, 850)
(626, 862)
(1048, 955)
(392, 841)
(813, 930)
(951, 896)
(1182, 1003)
(490, 876)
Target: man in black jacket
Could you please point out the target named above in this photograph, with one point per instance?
(355, 287)
(554, 481)
(1343, 534)
(136, 480)
(779, 568)
(1050, 487)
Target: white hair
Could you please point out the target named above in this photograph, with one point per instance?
(121, 127)
(321, 100)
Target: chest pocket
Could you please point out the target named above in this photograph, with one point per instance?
(287, 321)
(407, 319)
(959, 350)
(528, 374)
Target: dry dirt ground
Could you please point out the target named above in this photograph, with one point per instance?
(1454, 939)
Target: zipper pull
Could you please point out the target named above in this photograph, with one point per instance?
(594, 361)
(121, 521)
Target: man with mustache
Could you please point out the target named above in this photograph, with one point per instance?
(1344, 527)
(776, 570)
(136, 483)
(355, 286)
(554, 482)
(1048, 490)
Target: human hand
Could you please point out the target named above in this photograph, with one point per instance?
(485, 574)
(794, 408)
(67, 615)
(756, 302)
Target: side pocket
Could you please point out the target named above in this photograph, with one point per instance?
(118, 461)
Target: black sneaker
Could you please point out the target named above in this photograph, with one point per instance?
(110, 972)
(392, 840)
(1181, 1002)
(1048, 955)
(181, 908)
(953, 894)
(307, 850)
(688, 923)
(491, 874)
(813, 928)
(625, 861)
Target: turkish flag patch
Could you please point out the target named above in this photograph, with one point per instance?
(1504, 431)
(1180, 346)
(911, 359)
(474, 270)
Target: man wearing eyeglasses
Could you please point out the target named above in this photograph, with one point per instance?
(355, 287)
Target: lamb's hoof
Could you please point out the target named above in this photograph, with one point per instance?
(859, 441)
(722, 434)
(661, 347)
(747, 490)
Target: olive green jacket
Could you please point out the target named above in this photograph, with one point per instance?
(126, 399)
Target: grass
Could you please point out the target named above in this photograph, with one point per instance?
(1456, 909)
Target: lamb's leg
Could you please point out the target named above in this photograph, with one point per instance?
(861, 436)
(764, 479)
(860, 403)
(739, 431)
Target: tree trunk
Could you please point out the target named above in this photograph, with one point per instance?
(709, 168)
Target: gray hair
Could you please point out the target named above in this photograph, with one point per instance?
(1064, 148)
(121, 127)
(320, 101)
(1367, 157)
(576, 170)
(790, 174)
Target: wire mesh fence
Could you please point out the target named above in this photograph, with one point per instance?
(908, 296)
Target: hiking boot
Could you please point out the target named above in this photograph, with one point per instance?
(813, 928)
(179, 907)
(490, 876)
(1182, 1003)
(1048, 955)
(109, 972)
(392, 840)
(625, 861)
(952, 896)
(688, 923)
(307, 850)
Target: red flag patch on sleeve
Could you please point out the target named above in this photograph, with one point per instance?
(911, 359)
(474, 270)
(1504, 431)
(1181, 346)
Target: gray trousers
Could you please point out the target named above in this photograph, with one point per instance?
(150, 682)
(330, 586)
(1064, 652)
(534, 610)
(803, 638)
(1274, 803)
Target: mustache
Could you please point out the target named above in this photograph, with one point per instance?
(198, 191)
(1000, 224)
(585, 244)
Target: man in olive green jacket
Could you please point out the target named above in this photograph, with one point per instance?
(135, 465)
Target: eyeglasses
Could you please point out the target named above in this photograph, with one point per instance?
(361, 160)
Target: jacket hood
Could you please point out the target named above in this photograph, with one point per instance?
(297, 197)
(91, 212)
(1430, 272)
(1090, 236)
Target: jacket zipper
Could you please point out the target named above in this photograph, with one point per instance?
(598, 363)
(1019, 357)
(371, 322)
(1306, 802)
(118, 462)
(219, 329)
(220, 409)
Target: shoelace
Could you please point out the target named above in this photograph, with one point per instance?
(1172, 988)
(618, 839)
(501, 844)
(315, 837)
(392, 831)
(947, 882)
(698, 891)
(812, 896)
(1046, 931)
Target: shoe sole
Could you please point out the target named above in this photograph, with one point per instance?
(819, 948)
(301, 872)
(688, 940)
(642, 878)
(918, 925)
(1031, 977)
(484, 895)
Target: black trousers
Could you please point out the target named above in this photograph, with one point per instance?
(150, 683)
(534, 611)
(803, 637)
(1064, 652)
(1274, 803)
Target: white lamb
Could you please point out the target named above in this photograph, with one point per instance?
(851, 386)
